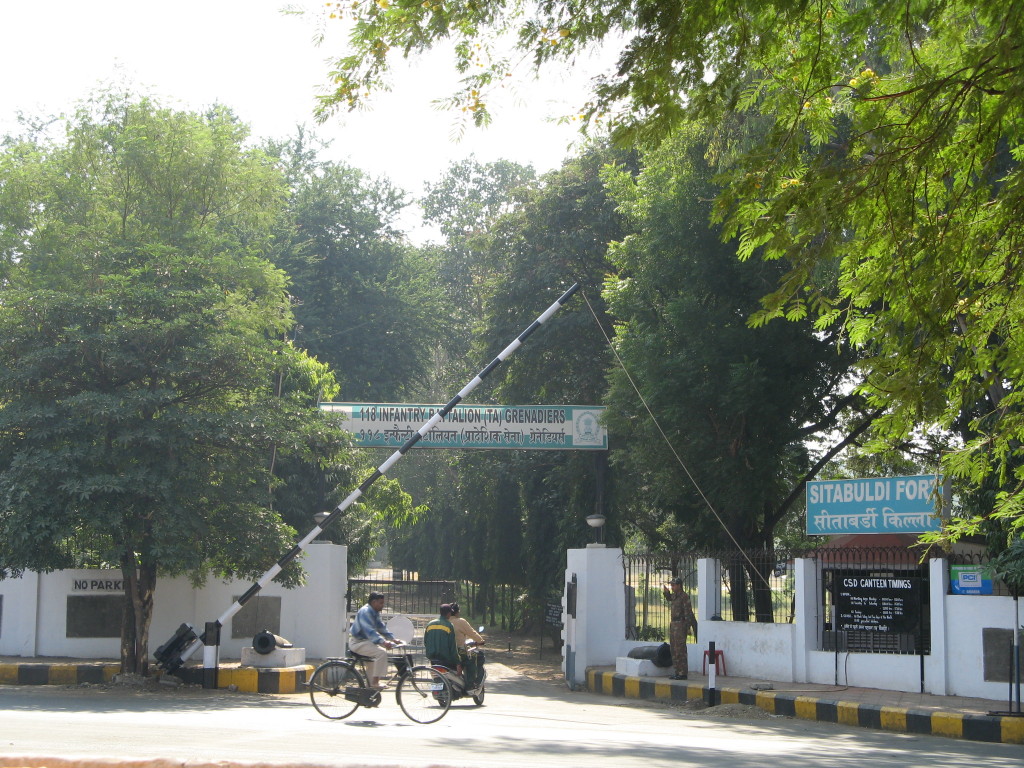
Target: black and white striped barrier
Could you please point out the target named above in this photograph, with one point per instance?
(170, 656)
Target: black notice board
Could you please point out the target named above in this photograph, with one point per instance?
(878, 604)
(553, 614)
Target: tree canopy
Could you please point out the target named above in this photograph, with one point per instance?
(714, 420)
(874, 148)
(145, 381)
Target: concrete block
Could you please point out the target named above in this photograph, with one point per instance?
(279, 657)
(640, 668)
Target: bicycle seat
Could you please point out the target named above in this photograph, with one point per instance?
(359, 656)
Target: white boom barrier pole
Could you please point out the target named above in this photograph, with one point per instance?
(167, 655)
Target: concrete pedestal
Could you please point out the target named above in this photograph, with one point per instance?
(279, 657)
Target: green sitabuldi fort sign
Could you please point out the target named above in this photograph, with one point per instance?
(533, 427)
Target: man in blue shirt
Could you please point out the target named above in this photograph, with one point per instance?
(369, 637)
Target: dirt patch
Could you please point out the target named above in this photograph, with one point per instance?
(530, 654)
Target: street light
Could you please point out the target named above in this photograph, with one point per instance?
(596, 521)
(320, 517)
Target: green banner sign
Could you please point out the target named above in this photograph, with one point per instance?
(531, 427)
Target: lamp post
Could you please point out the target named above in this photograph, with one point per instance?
(596, 522)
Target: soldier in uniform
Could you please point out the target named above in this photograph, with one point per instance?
(682, 618)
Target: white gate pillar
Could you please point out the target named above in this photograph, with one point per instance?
(936, 671)
(595, 616)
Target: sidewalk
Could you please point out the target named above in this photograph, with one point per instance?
(922, 713)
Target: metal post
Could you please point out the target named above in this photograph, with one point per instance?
(211, 654)
(712, 669)
(176, 661)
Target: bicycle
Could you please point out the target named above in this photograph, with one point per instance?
(339, 686)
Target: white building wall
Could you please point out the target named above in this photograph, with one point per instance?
(788, 652)
(34, 619)
(966, 617)
(18, 630)
(594, 636)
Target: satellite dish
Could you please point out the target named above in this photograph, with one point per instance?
(401, 627)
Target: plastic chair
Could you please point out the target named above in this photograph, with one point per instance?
(719, 662)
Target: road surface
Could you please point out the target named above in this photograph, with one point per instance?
(523, 723)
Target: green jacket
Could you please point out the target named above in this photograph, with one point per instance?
(439, 643)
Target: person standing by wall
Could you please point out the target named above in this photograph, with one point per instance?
(681, 619)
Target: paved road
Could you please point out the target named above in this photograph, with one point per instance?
(523, 723)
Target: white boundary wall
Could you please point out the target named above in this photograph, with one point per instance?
(787, 652)
(34, 619)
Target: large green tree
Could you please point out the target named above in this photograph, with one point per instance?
(720, 458)
(145, 381)
(366, 302)
(508, 516)
(892, 151)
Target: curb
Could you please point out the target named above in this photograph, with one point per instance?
(254, 679)
(991, 728)
(245, 679)
(57, 674)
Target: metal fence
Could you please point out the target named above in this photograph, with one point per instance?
(755, 586)
(646, 576)
(402, 596)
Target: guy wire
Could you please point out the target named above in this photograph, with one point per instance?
(678, 458)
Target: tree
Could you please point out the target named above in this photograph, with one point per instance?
(515, 512)
(893, 155)
(366, 302)
(144, 378)
(738, 405)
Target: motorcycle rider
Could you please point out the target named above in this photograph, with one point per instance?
(439, 641)
(472, 663)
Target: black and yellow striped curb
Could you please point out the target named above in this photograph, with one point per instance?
(254, 679)
(246, 679)
(975, 727)
(57, 674)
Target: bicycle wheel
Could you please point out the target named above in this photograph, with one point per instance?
(327, 689)
(424, 695)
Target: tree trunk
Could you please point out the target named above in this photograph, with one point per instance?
(738, 590)
(760, 573)
(139, 584)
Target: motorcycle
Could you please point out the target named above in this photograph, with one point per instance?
(457, 682)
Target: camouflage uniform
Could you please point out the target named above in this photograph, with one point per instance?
(682, 619)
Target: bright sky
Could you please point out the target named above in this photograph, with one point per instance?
(264, 65)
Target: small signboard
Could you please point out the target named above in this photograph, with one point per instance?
(878, 604)
(970, 579)
(533, 427)
(553, 614)
(876, 505)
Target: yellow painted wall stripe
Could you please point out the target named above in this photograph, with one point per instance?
(1013, 730)
(893, 719)
(631, 688)
(8, 674)
(766, 701)
(948, 724)
(806, 708)
(728, 696)
(847, 712)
